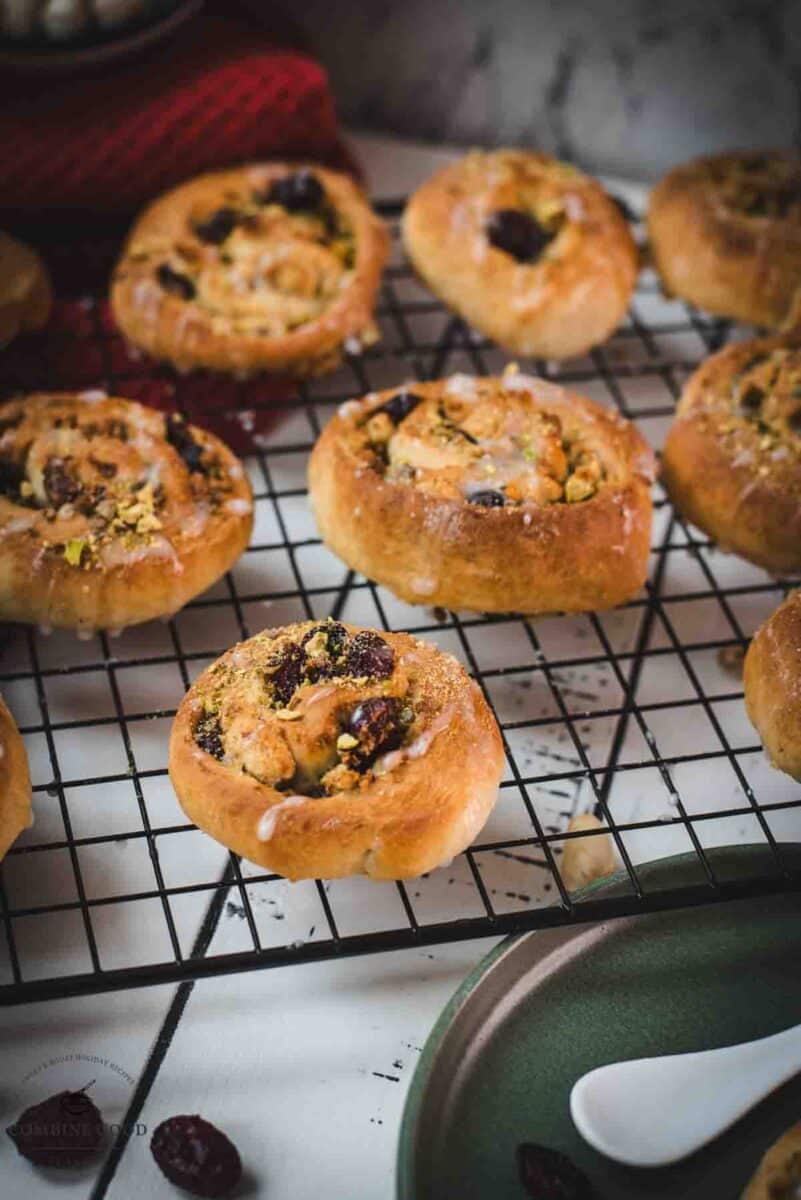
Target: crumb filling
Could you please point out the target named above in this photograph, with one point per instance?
(488, 445)
(90, 485)
(759, 186)
(311, 711)
(260, 263)
(761, 408)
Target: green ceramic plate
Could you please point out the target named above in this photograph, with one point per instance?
(541, 1010)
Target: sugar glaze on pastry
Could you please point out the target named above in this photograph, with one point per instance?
(267, 267)
(111, 513)
(322, 749)
(772, 682)
(505, 494)
(725, 234)
(532, 252)
(732, 458)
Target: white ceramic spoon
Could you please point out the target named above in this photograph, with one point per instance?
(652, 1111)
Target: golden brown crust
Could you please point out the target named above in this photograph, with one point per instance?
(321, 750)
(260, 287)
(725, 234)
(772, 682)
(110, 512)
(732, 458)
(569, 298)
(15, 782)
(497, 495)
(778, 1176)
(25, 291)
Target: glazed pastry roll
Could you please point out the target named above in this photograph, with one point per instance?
(501, 494)
(15, 782)
(772, 682)
(529, 250)
(111, 513)
(270, 267)
(732, 458)
(323, 750)
(725, 234)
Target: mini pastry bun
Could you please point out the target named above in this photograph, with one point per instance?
(272, 267)
(732, 458)
(111, 513)
(725, 234)
(772, 682)
(25, 292)
(501, 494)
(15, 782)
(529, 250)
(779, 1172)
(321, 750)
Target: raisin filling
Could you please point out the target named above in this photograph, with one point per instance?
(376, 726)
(179, 435)
(517, 234)
(488, 499)
(209, 735)
(298, 192)
(175, 282)
(399, 406)
(61, 487)
(220, 225)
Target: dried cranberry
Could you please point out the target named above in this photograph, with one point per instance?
(209, 735)
(196, 1156)
(368, 654)
(107, 469)
(12, 475)
(180, 437)
(60, 484)
(173, 281)
(335, 636)
(376, 725)
(285, 673)
(66, 1130)
(550, 1175)
(488, 499)
(216, 228)
(399, 406)
(297, 192)
(751, 399)
(517, 234)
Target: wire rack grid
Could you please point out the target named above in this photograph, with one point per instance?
(635, 714)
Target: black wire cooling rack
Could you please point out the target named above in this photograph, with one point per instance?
(636, 714)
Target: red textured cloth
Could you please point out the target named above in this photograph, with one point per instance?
(217, 94)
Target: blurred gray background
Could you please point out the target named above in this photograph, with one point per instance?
(623, 86)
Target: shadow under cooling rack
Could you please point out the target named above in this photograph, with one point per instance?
(635, 714)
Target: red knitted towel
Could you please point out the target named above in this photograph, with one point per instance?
(109, 140)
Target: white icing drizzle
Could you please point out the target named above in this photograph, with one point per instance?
(269, 819)
(463, 386)
(93, 395)
(353, 345)
(534, 385)
(418, 747)
(350, 408)
(423, 585)
(238, 506)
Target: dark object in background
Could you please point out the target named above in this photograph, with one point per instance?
(550, 1175)
(65, 1130)
(220, 93)
(196, 1156)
